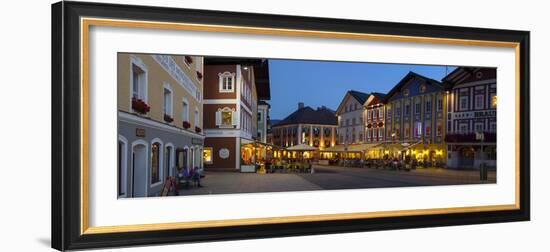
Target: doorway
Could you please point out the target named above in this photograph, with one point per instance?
(139, 171)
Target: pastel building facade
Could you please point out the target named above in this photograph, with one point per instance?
(159, 120)
(351, 123)
(232, 89)
(313, 127)
(415, 119)
(472, 120)
(375, 124)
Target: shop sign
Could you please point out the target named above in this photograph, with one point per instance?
(224, 153)
(196, 141)
(475, 114)
(140, 132)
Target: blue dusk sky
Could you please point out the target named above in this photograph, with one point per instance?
(324, 83)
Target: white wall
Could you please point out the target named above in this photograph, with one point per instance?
(25, 130)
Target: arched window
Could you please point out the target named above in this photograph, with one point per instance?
(156, 163)
(227, 82)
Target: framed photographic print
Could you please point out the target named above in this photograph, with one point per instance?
(179, 125)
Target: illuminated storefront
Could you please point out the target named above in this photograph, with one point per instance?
(415, 121)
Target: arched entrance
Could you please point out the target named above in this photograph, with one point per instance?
(139, 170)
(466, 157)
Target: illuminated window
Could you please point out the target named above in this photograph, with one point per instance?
(493, 100)
(226, 118)
(207, 155)
(155, 163)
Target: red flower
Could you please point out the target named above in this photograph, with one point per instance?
(168, 118)
(188, 59)
(140, 106)
(185, 124)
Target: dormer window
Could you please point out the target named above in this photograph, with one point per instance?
(227, 82)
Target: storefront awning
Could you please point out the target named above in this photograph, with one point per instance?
(301, 147)
(350, 148)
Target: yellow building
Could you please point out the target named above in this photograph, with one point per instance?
(159, 120)
(415, 120)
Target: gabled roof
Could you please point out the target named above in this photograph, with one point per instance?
(404, 81)
(358, 96)
(307, 115)
(261, 71)
(375, 95)
(463, 75)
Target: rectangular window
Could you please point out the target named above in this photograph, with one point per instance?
(207, 155)
(463, 128)
(185, 112)
(429, 106)
(439, 104)
(407, 110)
(417, 108)
(380, 133)
(428, 131)
(493, 100)
(479, 102)
(479, 127)
(227, 81)
(167, 108)
(369, 114)
(464, 103)
(197, 119)
(418, 129)
(138, 81)
(493, 127)
(439, 130)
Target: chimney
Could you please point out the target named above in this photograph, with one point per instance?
(300, 105)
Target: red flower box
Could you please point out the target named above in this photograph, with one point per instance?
(199, 75)
(188, 59)
(140, 106)
(168, 118)
(198, 130)
(185, 124)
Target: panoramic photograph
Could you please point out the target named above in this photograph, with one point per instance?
(200, 125)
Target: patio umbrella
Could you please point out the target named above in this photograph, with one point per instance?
(301, 147)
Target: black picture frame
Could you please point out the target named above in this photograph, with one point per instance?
(66, 114)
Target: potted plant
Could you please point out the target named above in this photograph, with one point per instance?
(188, 59)
(186, 124)
(140, 106)
(198, 130)
(168, 118)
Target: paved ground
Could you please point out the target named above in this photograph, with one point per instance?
(331, 177)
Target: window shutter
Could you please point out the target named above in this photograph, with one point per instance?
(218, 118)
(234, 118)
